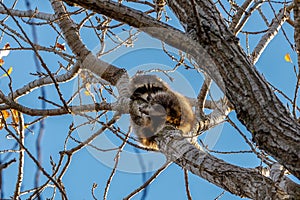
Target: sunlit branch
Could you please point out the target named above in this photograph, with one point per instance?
(53, 112)
(217, 116)
(43, 82)
(20, 176)
(247, 15)
(241, 11)
(275, 25)
(28, 14)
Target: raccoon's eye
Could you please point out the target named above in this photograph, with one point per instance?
(149, 97)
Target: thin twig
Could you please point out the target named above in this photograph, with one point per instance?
(186, 181)
(150, 180)
(117, 157)
(21, 157)
(7, 164)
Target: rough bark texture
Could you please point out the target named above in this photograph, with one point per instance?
(237, 180)
(273, 128)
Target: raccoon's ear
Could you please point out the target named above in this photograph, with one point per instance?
(147, 82)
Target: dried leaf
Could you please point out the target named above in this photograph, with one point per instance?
(287, 58)
(6, 46)
(1, 61)
(60, 46)
(5, 51)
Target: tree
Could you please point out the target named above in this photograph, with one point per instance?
(208, 44)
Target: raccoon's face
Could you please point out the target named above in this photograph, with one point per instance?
(154, 114)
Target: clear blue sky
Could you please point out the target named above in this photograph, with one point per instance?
(85, 169)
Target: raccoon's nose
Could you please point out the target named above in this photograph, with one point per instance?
(157, 110)
(149, 98)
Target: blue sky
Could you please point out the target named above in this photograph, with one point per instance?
(85, 169)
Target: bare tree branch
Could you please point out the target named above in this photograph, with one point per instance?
(251, 184)
(28, 14)
(149, 181)
(187, 188)
(275, 25)
(21, 157)
(240, 12)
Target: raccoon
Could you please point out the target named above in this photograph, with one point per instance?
(154, 105)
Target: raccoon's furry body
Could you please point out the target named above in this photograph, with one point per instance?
(153, 105)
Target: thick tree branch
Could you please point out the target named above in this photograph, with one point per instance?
(240, 181)
(216, 117)
(88, 61)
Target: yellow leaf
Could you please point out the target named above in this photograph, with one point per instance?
(9, 71)
(15, 116)
(287, 58)
(87, 93)
(5, 114)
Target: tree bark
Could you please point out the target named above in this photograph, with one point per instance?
(258, 108)
(237, 180)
